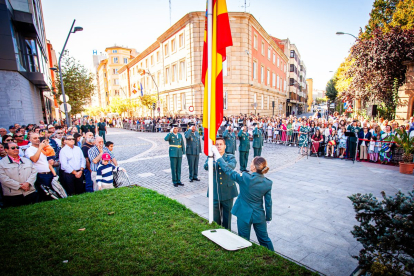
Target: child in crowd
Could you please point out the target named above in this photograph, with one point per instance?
(104, 176)
(269, 133)
(373, 149)
(109, 145)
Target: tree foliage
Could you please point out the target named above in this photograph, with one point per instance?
(119, 105)
(342, 80)
(404, 15)
(77, 81)
(148, 100)
(386, 232)
(378, 64)
(380, 17)
(331, 92)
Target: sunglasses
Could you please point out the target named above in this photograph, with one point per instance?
(59, 132)
(69, 139)
(18, 135)
(17, 147)
(7, 140)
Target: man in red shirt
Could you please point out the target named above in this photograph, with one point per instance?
(20, 139)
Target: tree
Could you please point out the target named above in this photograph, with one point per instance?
(148, 100)
(380, 17)
(119, 105)
(78, 83)
(378, 70)
(404, 15)
(331, 92)
(342, 80)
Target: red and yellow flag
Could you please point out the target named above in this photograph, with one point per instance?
(221, 39)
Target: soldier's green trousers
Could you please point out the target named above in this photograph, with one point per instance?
(244, 156)
(102, 134)
(175, 163)
(193, 165)
(257, 152)
(222, 212)
(244, 229)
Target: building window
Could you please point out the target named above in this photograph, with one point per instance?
(262, 102)
(274, 58)
(175, 102)
(152, 60)
(125, 60)
(182, 70)
(166, 53)
(225, 73)
(167, 99)
(114, 51)
(183, 102)
(284, 67)
(158, 56)
(268, 102)
(263, 49)
(292, 68)
(254, 70)
(262, 74)
(291, 82)
(146, 63)
(167, 75)
(174, 73)
(116, 81)
(225, 100)
(181, 40)
(255, 41)
(278, 61)
(268, 77)
(31, 55)
(284, 85)
(115, 71)
(158, 78)
(115, 59)
(278, 82)
(173, 45)
(269, 53)
(274, 80)
(292, 53)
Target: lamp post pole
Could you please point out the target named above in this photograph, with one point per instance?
(342, 33)
(158, 91)
(60, 71)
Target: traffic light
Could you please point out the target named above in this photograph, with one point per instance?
(153, 106)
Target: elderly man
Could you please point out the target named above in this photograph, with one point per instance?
(44, 173)
(72, 162)
(193, 151)
(17, 177)
(95, 156)
(90, 140)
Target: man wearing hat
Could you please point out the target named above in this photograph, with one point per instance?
(193, 151)
(244, 148)
(176, 152)
(12, 130)
(257, 141)
(230, 139)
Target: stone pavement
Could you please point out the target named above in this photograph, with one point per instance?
(312, 216)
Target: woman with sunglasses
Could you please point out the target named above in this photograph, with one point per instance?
(7, 138)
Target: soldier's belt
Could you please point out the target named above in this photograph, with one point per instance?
(176, 146)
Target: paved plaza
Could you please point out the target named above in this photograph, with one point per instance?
(312, 216)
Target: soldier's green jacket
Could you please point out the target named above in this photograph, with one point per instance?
(253, 187)
(193, 142)
(353, 129)
(257, 138)
(230, 139)
(177, 148)
(226, 186)
(244, 141)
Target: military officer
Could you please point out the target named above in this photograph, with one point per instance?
(92, 127)
(352, 141)
(230, 139)
(257, 141)
(176, 152)
(249, 205)
(224, 188)
(244, 148)
(193, 150)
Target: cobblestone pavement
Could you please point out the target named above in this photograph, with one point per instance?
(312, 216)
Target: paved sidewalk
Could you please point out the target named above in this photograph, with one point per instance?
(312, 216)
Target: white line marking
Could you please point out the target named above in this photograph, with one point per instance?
(145, 174)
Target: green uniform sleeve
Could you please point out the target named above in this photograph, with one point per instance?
(229, 171)
(168, 137)
(268, 205)
(182, 145)
(187, 134)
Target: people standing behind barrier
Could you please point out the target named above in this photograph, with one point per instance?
(317, 139)
(254, 189)
(89, 143)
(230, 139)
(95, 155)
(193, 150)
(244, 148)
(176, 152)
(331, 143)
(342, 141)
(224, 188)
(363, 145)
(385, 152)
(303, 137)
(257, 140)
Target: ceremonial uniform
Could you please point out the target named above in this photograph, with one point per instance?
(102, 130)
(230, 139)
(257, 142)
(249, 204)
(193, 150)
(224, 190)
(352, 141)
(244, 148)
(176, 152)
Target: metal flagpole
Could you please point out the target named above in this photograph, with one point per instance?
(209, 81)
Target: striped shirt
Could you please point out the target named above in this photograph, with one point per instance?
(104, 174)
(94, 152)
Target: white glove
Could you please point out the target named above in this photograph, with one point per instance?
(268, 222)
(228, 128)
(216, 153)
(172, 130)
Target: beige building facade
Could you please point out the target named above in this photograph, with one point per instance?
(309, 83)
(254, 74)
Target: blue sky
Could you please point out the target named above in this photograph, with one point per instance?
(311, 25)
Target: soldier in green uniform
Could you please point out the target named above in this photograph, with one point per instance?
(176, 152)
(254, 188)
(224, 189)
(92, 127)
(193, 150)
(257, 141)
(244, 148)
(102, 129)
(230, 139)
(352, 141)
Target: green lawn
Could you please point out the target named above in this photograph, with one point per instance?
(148, 234)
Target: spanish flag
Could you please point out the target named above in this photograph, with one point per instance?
(221, 38)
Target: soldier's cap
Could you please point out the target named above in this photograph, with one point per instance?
(191, 124)
(174, 125)
(254, 124)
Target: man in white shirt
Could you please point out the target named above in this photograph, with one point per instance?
(72, 162)
(39, 159)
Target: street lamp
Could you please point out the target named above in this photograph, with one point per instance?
(342, 33)
(143, 72)
(76, 29)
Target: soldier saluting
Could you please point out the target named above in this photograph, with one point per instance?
(257, 141)
(176, 152)
(193, 151)
(244, 148)
(230, 139)
(224, 189)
